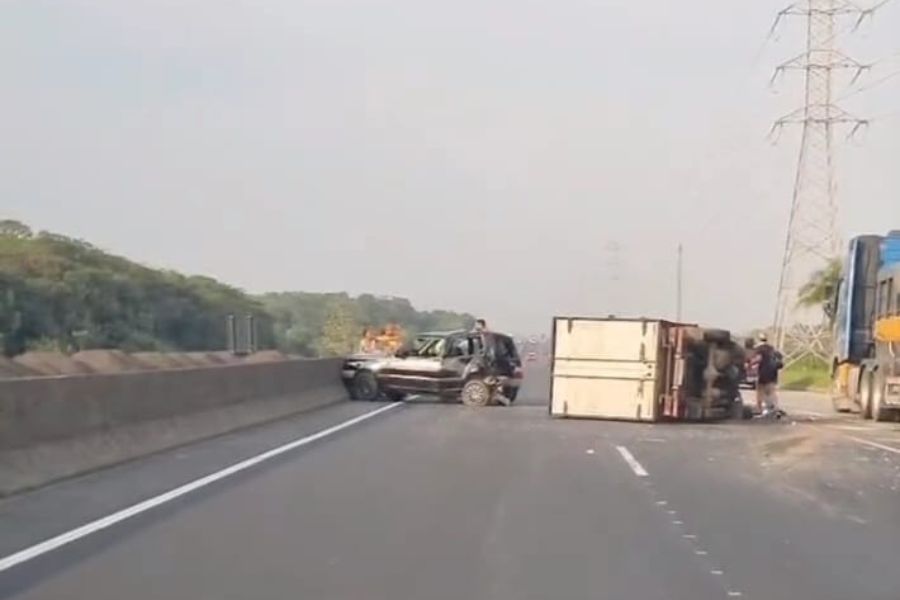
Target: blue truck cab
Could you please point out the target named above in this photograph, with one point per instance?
(866, 374)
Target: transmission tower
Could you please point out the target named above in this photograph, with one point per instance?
(812, 237)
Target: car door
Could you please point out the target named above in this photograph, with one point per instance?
(417, 372)
(459, 351)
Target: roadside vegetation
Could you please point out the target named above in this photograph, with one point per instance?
(813, 374)
(62, 294)
(807, 375)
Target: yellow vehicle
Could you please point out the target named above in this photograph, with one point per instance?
(866, 364)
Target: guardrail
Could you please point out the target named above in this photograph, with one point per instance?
(57, 427)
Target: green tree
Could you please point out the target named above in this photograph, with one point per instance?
(14, 229)
(340, 332)
(55, 289)
(299, 317)
(820, 289)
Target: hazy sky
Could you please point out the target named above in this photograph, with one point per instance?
(513, 158)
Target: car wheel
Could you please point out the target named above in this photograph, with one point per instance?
(365, 386)
(476, 393)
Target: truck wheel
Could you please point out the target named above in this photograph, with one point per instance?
(364, 387)
(722, 359)
(717, 336)
(878, 385)
(838, 400)
(476, 393)
(865, 394)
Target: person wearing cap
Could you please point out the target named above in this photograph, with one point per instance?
(768, 362)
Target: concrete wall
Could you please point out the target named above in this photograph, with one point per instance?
(56, 427)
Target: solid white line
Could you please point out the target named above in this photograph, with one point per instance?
(874, 444)
(632, 462)
(151, 503)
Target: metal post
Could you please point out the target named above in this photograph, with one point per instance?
(680, 284)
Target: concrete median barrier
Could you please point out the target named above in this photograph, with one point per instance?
(57, 427)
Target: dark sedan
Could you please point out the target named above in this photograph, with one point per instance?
(479, 368)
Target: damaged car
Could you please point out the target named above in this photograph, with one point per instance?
(476, 368)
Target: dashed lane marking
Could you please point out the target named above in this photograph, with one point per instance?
(132, 511)
(632, 462)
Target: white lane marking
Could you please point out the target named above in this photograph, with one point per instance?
(701, 552)
(661, 502)
(735, 594)
(117, 517)
(689, 536)
(589, 451)
(632, 462)
(672, 512)
(874, 444)
(717, 572)
(677, 522)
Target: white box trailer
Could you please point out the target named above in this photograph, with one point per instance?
(630, 369)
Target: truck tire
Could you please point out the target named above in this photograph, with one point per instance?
(365, 387)
(838, 400)
(866, 379)
(717, 336)
(877, 404)
(722, 359)
(476, 393)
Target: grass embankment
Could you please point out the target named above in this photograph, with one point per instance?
(807, 375)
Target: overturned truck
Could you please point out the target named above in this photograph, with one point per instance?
(644, 370)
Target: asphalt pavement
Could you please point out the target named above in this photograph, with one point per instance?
(433, 501)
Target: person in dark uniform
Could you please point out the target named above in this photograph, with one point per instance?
(768, 362)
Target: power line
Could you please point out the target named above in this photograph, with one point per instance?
(852, 92)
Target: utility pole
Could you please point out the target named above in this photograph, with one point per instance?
(679, 285)
(812, 237)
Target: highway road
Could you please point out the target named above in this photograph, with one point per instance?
(434, 501)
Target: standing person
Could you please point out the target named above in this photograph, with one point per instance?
(768, 362)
